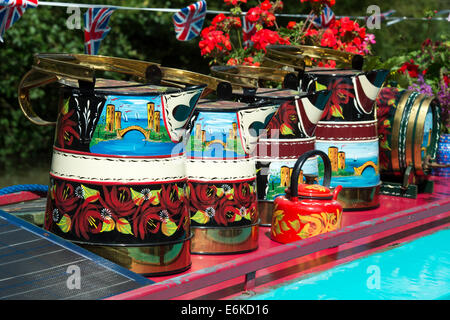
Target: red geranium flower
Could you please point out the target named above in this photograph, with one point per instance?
(413, 69)
(291, 25)
(266, 5)
(234, 2)
(253, 14)
(264, 37)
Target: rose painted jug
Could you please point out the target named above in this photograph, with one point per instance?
(117, 179)
(347, 131)
(221, 175)
(307, 209)
(289, 134)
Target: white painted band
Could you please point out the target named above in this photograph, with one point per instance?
(107, 169)
(219, 170)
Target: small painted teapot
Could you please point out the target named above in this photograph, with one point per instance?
(307, 209)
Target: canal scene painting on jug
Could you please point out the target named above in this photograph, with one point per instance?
(353, 164)
(216, 135)
(138, 120)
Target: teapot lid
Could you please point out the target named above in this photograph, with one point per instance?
(314, 191)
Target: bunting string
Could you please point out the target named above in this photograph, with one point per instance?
(172, 10)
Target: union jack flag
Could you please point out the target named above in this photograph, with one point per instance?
(188, 21)
(19, 3)
(11, 11)
(325, 19)
(96, 28)
(248, 30)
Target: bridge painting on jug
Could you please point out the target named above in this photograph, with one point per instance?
(216, 135)
(139, 120)
(353, 163)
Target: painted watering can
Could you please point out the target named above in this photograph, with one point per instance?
(289, 134)
(117, 179)
(347, 132)
(221, 175)
(307, 209)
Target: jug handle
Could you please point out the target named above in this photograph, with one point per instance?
(299, 164)
(33, 79)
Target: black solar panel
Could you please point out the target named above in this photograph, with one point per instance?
(35, 264)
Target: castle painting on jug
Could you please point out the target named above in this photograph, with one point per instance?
(133, 126)
(353, 163)
(215, 135)
(280, 172)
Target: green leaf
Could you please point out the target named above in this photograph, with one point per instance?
(107, 225)
(65, 223)
(295, 224)
(220, 192)
(169, 227)
(320, 86)
(236, 217)
(89, 194)
(284, 226)
(65, 108)
(137, 197)
(286, 130)
(200, 217)
(123, 226)
(180, 192)
(155, 194)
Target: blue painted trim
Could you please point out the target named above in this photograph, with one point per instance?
(74, 248)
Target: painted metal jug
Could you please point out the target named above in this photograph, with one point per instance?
(289, 134)
(221, 175)
(117, 179)
(347, 132)
(307, 209)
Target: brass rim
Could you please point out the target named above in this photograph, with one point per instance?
(248, 76)
(396, 130)
(360, 198)
(156, 260)
(409, 145)
(49, 68)
(225, 240)
(300, 55)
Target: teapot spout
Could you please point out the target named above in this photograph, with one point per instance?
(178, 110)
(336, 192)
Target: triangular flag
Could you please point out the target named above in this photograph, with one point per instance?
(325, 19)
(96, 28)
(188, 21)
(11, 11)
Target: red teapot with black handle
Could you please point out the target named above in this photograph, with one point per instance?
(307, 209)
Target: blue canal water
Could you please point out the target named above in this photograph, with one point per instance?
(134, 143)
(419, 269)
(215, 151)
